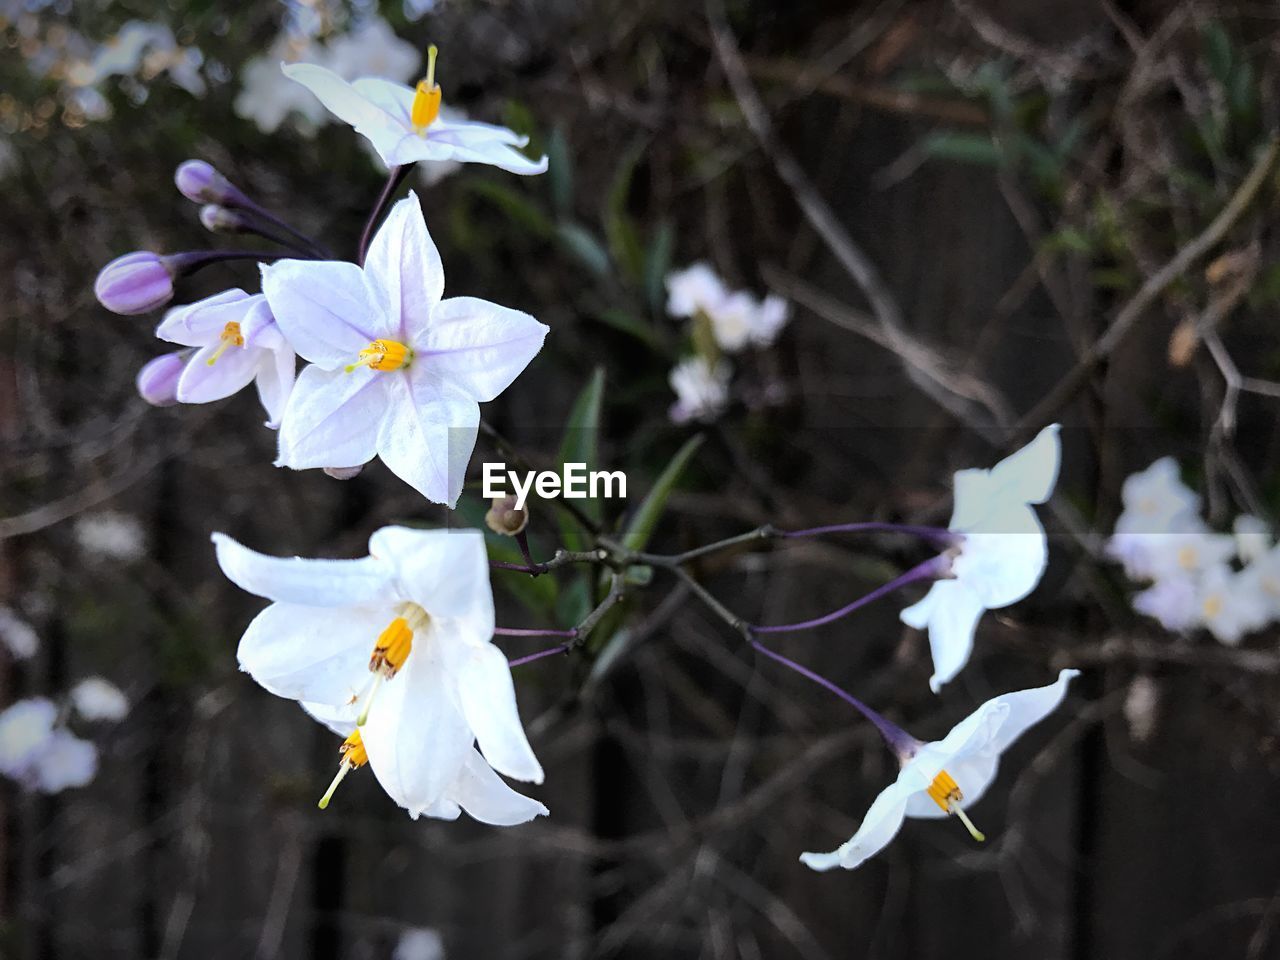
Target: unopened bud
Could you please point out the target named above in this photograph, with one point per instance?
(135, 283)
(218, 219)
(344, 473)
(199, 181)
(157, 381)
(504, 518)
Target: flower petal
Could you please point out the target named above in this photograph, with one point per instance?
(1029, 707)
(1030, 474)
(349, 105)
(480, 346)
(879, 826)
(1003, 567)
(324, 310)
(950, 612)
(446, 572)
(275, 382)
(199, 323)
(208, 376)
(489, 704)
(486, 798)
(403, 270)
(332, 418)
(497, 154)
(427, 435)
(317, 654)
(393, 99)
(318, 583)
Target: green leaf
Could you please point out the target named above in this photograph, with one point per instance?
(657, 265)
(585, 247)
(514, 205)
(642, 525)
(560, 173)
(581, 444)
(1217, 51)
(962, 147)
(1067, 239)
(619, 229)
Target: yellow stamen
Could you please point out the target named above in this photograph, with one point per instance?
(1212, 605)
(945, 792)
(391, 650)
(383, 355)
(230, 337)
(1187, 558)
(426, 98)
(353, 755)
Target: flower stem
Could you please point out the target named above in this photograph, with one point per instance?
(536, 632)
(549, 652)
(395, 177)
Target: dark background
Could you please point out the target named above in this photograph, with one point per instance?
(1015, 171)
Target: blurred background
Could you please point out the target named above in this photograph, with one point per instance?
(985, 215)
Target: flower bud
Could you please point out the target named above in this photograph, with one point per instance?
(135, 283)
(217, 219)
(200, 182)
(344, 473)
(157, 381)
(504, 518)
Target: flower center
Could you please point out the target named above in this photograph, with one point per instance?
(391, 650)
(945, 792)
(353, 755)
(1212, 606)
(426, 98)
(383, 355)
(1187, 558)
(230, 337)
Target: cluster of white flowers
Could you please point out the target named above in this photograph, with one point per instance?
(1226, 583)
(732, 320)
(141, 51)
(37, 747)
(111, 535)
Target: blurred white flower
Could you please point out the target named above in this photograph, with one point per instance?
(268, 97)
(1253, 537)
(770, 317)
(736, 317)
(143, 50)
(1142, 707)
(417, 9)
(65, 761)
(1174, 601)
(1231, 604)
(26, 728)
(97, 699)
(419, 944)
(1156, 501)
(695, 288)
(17, 635)
(1186, 554)
(373, 50)
(111, 535)
(702, 390)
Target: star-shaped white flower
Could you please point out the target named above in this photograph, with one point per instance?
(396, 371)
(947, 776)
(394, 652)
(404, 124)
(238, 343)
(1000, 553)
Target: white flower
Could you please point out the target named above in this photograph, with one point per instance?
(736, 317)
(65, 761)
(1174, 601)
(268, 97)
(434, 685)
(1156, 501)
(1185, 554)
(1253, 537)
(18, 636)
(695, 289)
(97, 699)
(26, 728)
(373, 50)
(111, 536)
(396, 371)
(1264, 572)
(936, 778)
(1001, 551)
(702, 390)
(239, 343)
(769, 318)
(419, 944)
(1232, 604)
(404, 125)
(145, 50)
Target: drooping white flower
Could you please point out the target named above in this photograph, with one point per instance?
(937, 778)
(238, 343)
(98, 699)
(1000, 553)
(25, 729)
(111, 535)
(17, 636)
(64, 762)
(701, 388)
(396, 371)
(1231, 604)
(1253, 537)
(404, 124)
(393, 651)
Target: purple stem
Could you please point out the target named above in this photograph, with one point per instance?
(932, 569)
(899, 741)
(935, 534)
(549, 652)
(519, 632)
(395, 177)
(507, 565)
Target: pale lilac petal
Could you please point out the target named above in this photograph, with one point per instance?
(332, 418)
(393, 99)
(404, 271)
(497, 154)
(324, 310)
(318, 583)
(485, 797)
(489, 704)
(275, 381)
(202, 381)
(480, 346)
(427, 436)
(467, 132)
(202, 322)
(349, 105)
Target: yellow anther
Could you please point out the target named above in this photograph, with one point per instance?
(426, 98)
(945, 792)
(383, 355)
(353, 755)
(392, 648)
(1212, 605)
(230, 337)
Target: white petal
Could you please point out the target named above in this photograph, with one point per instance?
(1004, 561)
(416, 736)
(973, 774)
(879, 826)
(950, 612)
(341, 720)
(317, 654)
(468, 132)
(1029, 707)
(66, 761)
(1029, 474)
(201, 322)
(324, 310)
(489, 704)
(275, 381)
(480, 346)
(486, 798)
(203, 382)
(427, 435)
(347, 104)
(318, 583)
(404, 271)
(497, 154)
(393, 99)
(446, 572)
(332, 418)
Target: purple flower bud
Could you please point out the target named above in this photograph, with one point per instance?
(135, 283)
(158, 379)
(343, 473)
(217, 219)
(200, 182)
